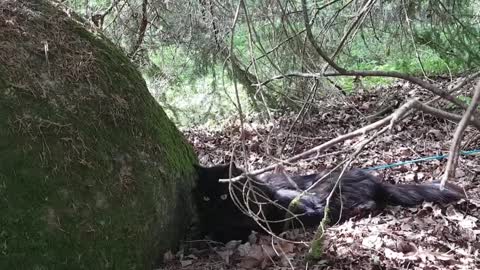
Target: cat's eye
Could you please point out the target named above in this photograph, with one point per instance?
(224, 197)
(205, 198)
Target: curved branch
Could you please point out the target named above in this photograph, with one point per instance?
(367, 73)
(141, 30)
(457, 138)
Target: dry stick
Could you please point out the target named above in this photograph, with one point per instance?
(316, 149)
(392, 74)
(441, 113)
(239, 108)
(457, 87)
(457, 138)
(243, 205)
(309, 104)
(431, 110)
(446, 115)
(285, 256)
(396, 116)
(275, 48)
(363, 130)
(317, 156)
(248, 211)
(360, 147)
(294, 201)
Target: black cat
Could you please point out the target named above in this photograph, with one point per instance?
(357, 193)
(225, 215)
(222, 208)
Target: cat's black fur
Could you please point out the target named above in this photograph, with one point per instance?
(357, 193)
(219, 216)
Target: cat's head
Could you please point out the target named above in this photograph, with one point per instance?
(208, 188)
(220, 217)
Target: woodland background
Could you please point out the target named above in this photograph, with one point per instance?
(195, 55)
(265, 81)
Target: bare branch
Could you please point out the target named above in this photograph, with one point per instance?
(443, 114)
(457, 138)
(402, 112)
(310, 37)
(464, 82)
(397, 115)
(141, 29)
(98, 18)
(367, 73)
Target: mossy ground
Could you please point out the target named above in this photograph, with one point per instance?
(93, 175)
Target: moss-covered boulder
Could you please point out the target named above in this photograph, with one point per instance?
(93, 175)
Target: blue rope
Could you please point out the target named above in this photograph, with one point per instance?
(438, 157)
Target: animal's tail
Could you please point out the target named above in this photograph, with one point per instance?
(411, 195)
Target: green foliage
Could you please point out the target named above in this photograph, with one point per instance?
(186, 54)
(82, 6)
(189, 96)
(454, 33)
(465, 99)
(385, 54)
(460, 45)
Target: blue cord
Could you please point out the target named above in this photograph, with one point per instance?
(438, 157)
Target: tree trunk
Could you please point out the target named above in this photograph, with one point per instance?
(93, 175)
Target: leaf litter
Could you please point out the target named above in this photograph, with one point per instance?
(423, 237)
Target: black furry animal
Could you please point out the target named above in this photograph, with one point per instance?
(222, 208)
(357, 193)
(226, 210)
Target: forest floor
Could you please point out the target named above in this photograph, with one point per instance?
(425, 237)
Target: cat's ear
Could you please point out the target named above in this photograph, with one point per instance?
(235, 170)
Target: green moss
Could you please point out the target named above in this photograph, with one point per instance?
(93, 175)
(316, 250)
(316, 246)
